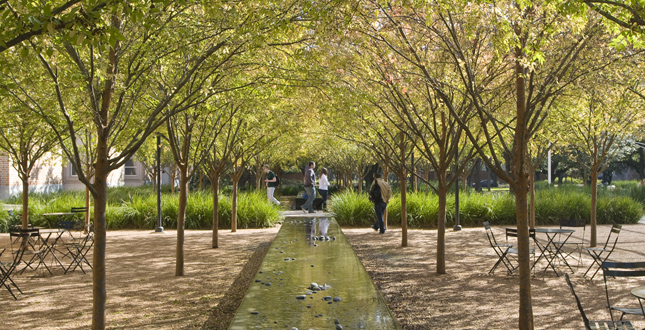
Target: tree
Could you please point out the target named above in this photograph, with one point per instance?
(418, 104)
(535, 79)
(74, 19)
(603, 114)
(24, 140)
(128, 82)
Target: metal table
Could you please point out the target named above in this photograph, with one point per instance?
(550, 249)
(639, 292)
(49, 243)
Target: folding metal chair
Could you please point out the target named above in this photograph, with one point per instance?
(622, 269)
(573, 223)
(600, 255)
(6, 270)
(78, 251)
(512, 232)
(28, 246)
(593, 325)
(501, 250)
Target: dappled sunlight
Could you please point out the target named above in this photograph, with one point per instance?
(467, 297)
(142, 291)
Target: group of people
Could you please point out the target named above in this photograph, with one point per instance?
(310, 183)
(380, 192)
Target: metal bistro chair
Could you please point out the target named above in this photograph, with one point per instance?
(501, 250)
(573, 223)
(78, 251)
(622, 269)
(593, 325)
(600, 254)
(6, 270)
(28, 247)
(512, 232)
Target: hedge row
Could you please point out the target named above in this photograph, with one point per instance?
(137, 209)
(498, 208)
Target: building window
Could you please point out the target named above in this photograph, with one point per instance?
(72, 170)
(130, 169)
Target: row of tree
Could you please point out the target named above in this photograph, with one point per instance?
(234, 84)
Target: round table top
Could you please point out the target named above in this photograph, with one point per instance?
(58, 213)
(553, 230)
(639, 292)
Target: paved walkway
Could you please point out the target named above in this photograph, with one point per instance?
(312, 279)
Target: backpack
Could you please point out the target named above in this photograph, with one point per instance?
(375, 193)
(277, 180)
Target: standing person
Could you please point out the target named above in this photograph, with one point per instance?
(380, 194)
(272, 183)
(323, 187)
(310, 182)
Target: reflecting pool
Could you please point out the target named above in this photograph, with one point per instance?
(312, 279)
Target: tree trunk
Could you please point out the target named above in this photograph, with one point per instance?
(215, 190)
(521, 206)
(532, 207)
(404, 211)
(526, 307)
(234, 207)
(592, 214)
(87, 208)
(442, 193)
(181, 217)
(98, 260)
(25, 203)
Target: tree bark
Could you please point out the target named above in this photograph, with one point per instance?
(404, 211)
(441, 224)
(215, 189)
(98, 260)
(532, 191)
(25, 203)
(87, 209)
(234, 207)
(181, 219)
(594, 199)
(519, 170)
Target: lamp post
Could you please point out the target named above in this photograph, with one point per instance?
(159, 228)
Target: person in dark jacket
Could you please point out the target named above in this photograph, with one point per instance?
(380, 194)
(310, 189)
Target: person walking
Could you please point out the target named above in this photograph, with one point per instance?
(323, 187)
(271, 182)
(310, 189)
(380, 194)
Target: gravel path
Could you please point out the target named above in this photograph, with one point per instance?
(143, 292)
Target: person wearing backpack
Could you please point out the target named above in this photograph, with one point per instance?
(380, 194)
(272, 183)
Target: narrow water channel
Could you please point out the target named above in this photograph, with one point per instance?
(306, 251)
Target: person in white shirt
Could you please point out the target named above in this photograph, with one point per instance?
(323, 187)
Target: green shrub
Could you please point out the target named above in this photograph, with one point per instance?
(352, 209)
(136, 208)
(498, 208)
(618, 210)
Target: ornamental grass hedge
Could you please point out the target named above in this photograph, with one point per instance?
(551, 205)
(136, 208)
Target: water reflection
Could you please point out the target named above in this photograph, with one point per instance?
(323, 225)
(307, 281)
